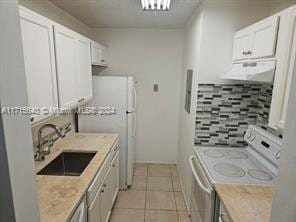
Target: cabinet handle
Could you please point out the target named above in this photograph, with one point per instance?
(102, 191)
(32, 119)
(113, 165)
(81, 100)
(102, 60)
(104, 185)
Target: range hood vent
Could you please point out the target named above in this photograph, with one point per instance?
(259, 71)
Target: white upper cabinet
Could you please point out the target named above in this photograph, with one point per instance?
(58, 64)
(67, 72)
(264, 37)
(73, 56)
(256, 41)
(84, 69)
(38, 49)
(99, 54)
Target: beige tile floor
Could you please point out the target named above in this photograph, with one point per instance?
(155, 196)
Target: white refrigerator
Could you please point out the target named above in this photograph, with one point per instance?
(118, 92)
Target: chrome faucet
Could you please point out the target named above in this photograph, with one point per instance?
(40, 151)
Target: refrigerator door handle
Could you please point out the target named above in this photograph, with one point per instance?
(135, 125)
(135, 98)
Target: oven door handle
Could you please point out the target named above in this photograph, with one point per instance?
(197, 178)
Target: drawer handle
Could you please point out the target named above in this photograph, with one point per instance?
(32, 119)
(104, 185)
(113, 165)
(102, 191)
(102, 60)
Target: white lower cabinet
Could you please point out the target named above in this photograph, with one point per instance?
(114, 171)
(99, 207)
(106, 193)
(94, 210)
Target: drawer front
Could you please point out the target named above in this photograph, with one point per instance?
(92, 190)
(113, 151)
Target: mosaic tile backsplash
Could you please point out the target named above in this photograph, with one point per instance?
(225, 111)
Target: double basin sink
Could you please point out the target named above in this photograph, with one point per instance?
(68, 164)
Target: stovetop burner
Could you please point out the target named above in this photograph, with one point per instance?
(260, 175)
(214, 153)
(232, 154)
(229, 170)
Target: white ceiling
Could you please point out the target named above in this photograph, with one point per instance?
(127, 13)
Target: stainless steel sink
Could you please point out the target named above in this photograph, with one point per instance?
(68, 164)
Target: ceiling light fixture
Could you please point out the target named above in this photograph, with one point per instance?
(156, 5)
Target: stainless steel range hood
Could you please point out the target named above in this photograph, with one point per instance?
(259, 71)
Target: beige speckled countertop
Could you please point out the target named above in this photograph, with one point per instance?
(59, 196)
(245, 203)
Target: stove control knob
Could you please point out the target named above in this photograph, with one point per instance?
(249, 135)
(278, 155)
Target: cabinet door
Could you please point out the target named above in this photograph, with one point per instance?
(114, 182)
(94, 210)
(84, 68)
(95, 53)
(65, 41)
(98, 54)
(104, 56)
(241, 44)
(106, 201)
(38, 49)
(264, 37)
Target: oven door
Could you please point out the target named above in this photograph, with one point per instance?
(202, 207)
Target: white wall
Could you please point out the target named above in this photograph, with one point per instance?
(16, 129)
(153, 56)
(208, 50)
(51, 11)
(191, 55)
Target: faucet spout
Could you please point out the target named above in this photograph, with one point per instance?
(40, 151)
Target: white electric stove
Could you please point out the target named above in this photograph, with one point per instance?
(256, 164)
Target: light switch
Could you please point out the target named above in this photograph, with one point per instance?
(155, 88)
